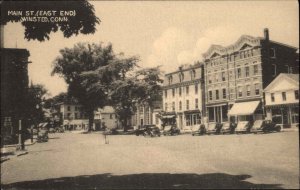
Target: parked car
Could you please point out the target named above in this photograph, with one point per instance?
(228, 128)
(52, 130)
(59, 129)
(171, 130)
(198, 130)
(42, 135)
(152, 131)
(243, 127)
(265, 126)
(214, 128)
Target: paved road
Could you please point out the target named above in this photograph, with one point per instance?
(83, 161)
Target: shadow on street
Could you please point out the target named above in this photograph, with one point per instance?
(145, 181)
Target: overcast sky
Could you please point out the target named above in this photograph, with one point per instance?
(163, 33)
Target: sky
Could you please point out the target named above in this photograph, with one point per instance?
(166, 33)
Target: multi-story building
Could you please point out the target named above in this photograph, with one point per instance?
(282, 100)
(183, 97)
(105, 116)
(147, 114)
(238, 73)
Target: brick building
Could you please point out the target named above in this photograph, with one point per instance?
(183, 97)
(239, 73)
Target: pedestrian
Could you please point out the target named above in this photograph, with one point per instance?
(105, 133)
(31, 132)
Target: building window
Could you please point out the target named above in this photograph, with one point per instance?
(196, 88)
(196, 103)
(69, 108)
(240, 91)
(173, 106)
(223, 76)
(224, 93)
(111, 116)
(247, 71)
(166, 93)
(187, 90)
(210, 95)
(272, 53)
(255, 69)
(275, 70)
(283, 96)
(248, 90)
(297, 94)
(76, 115)
(76, 108)
(256, 89)
(209, 79)
(217, 94)
(69, 116)
(217, 77)
(187, 104)
(188, 120)
(166, 107)
(179, 91)
(239, 72)
(272, 97)
(180, 105)
(193, 74)
(173, 92)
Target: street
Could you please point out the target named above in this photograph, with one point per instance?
(84, 161)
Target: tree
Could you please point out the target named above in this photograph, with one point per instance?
(84, 21)
(36, 96)
(89, 70)
(143, 87)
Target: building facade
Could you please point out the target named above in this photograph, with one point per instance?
(239, 73)
(105, 116)
(282, 100)
(183, 95)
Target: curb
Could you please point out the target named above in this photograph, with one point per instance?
(4, 159)
(21, 153)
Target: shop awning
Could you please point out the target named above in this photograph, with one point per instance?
(243, 108)
(191, 111)
(168, 116)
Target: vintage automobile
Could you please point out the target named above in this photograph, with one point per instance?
(42, 135)
(198, 130)
(228, 128)
(171, 130)
(243, 127)
(148, 130)
(214, 128)
(265, 126)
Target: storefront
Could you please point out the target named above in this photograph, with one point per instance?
(192, 118)
(245, 111)
(285, 114)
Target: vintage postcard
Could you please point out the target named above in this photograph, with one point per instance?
(149, 94)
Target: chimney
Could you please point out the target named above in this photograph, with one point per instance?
(266, 34)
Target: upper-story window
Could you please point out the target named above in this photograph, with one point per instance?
(257, 91)
(173, 106)
(187, 90)
(239, 72)
(180, 91)
(272, 53)
(166, 93)
(166, 106)
(181, 77)
(209, 79)
(196, 88)
(223, 76)
(255, 69)
(272, 97)
(224, 93)
(297, 94)
(248, 90)
(187, 104)
(247, 71)
(111, 116)
(240, 91)
(217, 94)
(210, 95)
(196, 103)
(283, 96)
(180, 105)
(69, 108)
(173, 92)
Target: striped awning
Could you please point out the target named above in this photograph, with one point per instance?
(243, 108)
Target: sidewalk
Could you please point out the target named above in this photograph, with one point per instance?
(9, 151)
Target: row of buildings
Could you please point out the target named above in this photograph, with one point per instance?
(254, 78)
(229, 84)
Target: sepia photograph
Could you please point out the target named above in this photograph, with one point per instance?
(173, 94)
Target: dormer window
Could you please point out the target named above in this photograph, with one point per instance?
(272, 53)
(193, 74)
(170, 79)
(181, 77)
